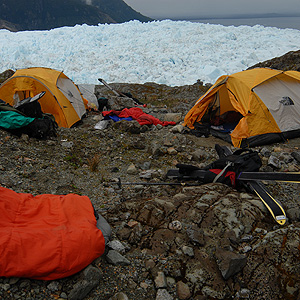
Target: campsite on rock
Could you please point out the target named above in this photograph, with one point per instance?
(140, 191)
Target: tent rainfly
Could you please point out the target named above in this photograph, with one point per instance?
(250, 108)
(62, 98)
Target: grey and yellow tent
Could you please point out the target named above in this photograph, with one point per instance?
(249, 108)
(62, 98)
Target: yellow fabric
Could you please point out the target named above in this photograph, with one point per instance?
(31, 81)
(198, 110)
(235, 93)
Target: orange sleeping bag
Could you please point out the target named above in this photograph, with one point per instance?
(47, 236)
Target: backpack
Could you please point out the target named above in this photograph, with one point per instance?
(227, 168)
(242, 160)
(41, 128)
(31, 109)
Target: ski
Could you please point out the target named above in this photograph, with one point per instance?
(199, 174)
(270, 176)
(273, 205)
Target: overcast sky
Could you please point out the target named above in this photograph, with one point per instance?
(197, 8)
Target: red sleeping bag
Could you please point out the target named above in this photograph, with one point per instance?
(47, 236)
(137, 113)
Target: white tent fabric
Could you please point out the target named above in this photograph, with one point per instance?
(87, 91)
(282, 98)
(67, 87)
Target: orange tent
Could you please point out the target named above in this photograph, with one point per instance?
(62, 99)
(262, 105)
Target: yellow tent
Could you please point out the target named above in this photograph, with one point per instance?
(62, 98)
(250, 108)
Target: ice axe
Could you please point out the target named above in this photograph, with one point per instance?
(119, 94)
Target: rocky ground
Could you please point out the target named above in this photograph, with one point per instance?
(168, 242)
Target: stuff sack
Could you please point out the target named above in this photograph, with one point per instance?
(47, 236)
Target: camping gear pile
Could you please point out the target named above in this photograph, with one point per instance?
(124, 107)
(135, 113)
(27, 117)
(239, 169)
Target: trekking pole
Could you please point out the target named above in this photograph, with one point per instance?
(120, 183)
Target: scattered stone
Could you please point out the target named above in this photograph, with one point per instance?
(116, 245)
(155, 149)
(13, 280)
(172, 151)
(293, 168)
(132, 170)
(177, 129)
(199, 155)
(163, 294)
(246, 238)
(171, 281)
(196, 236)
(63, 295)
(285, 157)
(148, 174)
(229, 262)
(171, 117)
(67, 144)
(188, 251)
(265, 152)
(119, 103)
(246, 249)
(293, 214)
(160, 280)
(146, 165)
(150, 264)
(296, 156)
(243, 294)
(91, 278)
(144, 285)
(115, 258)
(274, 162)
(53, 286)
(183, 291)
(139, 188)
(128, 126)
(132, 223)
(4, 286)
